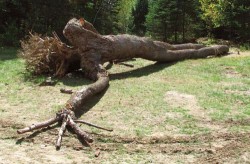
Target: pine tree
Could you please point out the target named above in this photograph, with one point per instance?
(173, 20)
(139, 17)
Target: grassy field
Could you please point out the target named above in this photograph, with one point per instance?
(193, 111)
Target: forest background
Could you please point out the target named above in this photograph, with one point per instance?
(173, 21)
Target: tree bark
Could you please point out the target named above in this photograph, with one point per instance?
(93, 50)
(96, 48)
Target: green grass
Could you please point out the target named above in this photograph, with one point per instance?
(136, 95)
(134, 105)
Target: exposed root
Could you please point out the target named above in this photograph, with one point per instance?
(65, 116)
(47, 55)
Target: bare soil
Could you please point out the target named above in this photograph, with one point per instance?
(38, 147)
(219, 146)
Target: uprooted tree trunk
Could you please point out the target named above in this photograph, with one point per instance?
(91, 50)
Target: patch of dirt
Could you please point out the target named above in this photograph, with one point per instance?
(237, 53)
(206, 148)
(230, 84)
(231, 72)
(185, 101)
(203, 148)
(190, 103)
(247, 93)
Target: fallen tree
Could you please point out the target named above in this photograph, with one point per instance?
(89, 52)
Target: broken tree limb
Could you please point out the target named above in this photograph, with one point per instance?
(67, 91)
(89, 52)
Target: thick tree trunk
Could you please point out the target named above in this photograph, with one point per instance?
(95, 49)
(93, 46)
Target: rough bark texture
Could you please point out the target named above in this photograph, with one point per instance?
(97, 49)
(93, 50)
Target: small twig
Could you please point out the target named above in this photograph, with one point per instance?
(39, 125)
(56, 36)
(79, 132)
(90, 124)
(67, 91)
(61, 132)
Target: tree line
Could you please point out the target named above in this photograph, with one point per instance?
(174, 21)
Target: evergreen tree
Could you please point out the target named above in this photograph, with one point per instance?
(230, 18)
(124, 15)
(173, 20)
(168, 20)
(139, 17)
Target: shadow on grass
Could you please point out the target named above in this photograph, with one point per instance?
(143, 71)
(76, 79)
(90, 103)
(35, 134)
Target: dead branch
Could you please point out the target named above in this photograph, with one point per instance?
(61, 132)
(93, 125)
(39, 125)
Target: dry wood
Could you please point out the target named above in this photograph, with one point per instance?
(67, 91)
(39, 125)
(83, 135)
(61, 132)
(89, 52)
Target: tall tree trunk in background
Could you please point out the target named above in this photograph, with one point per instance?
(183, 21)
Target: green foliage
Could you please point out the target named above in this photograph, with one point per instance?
(173, 21)
(124, 16)
(104, 16)
(10, 36)
(139, 17)
(167, 20)
(245, 46)
(213, 11)
(231, 15)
